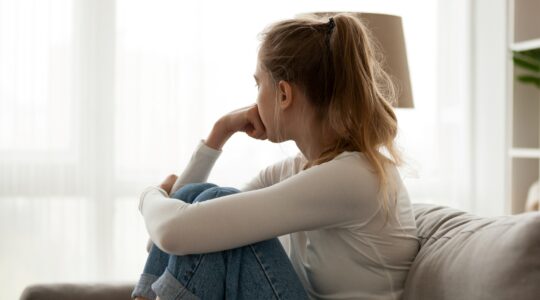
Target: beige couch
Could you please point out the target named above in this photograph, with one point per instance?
(462, 256)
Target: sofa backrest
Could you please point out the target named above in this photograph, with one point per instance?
(463, 256)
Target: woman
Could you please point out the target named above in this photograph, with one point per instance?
(341, 199)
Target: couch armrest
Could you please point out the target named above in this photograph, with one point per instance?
(69, 291)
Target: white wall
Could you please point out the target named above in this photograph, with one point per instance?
(489, 56)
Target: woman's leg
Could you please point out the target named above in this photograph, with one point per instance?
(259, 270)
(256, 271)
(157, 260)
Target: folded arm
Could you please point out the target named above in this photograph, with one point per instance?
(315, 198)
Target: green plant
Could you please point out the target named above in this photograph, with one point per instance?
(530, 61)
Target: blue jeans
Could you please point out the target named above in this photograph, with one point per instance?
(260, 270)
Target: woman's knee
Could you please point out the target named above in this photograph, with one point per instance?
(215, 192)
(190, 191)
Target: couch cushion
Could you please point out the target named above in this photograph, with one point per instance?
(463, 256)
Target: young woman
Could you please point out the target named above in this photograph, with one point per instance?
(340, 199)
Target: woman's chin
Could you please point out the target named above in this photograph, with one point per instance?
(276, 140)
(271, 139)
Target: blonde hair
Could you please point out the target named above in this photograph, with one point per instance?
(340, 72)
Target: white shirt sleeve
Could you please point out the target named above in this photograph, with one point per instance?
(201, 163)
(323, 196)
(271, 174)
(199, 166)
(197, 170)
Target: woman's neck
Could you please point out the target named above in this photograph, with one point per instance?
(314, 142)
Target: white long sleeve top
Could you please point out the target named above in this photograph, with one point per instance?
(331, 213)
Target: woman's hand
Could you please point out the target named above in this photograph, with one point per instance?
(246, 119)
(168, 183)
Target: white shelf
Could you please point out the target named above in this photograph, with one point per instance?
(525, 153)
(526, 45)
(523, 119)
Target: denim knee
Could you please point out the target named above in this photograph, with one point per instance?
(215, 192)
(190, 191)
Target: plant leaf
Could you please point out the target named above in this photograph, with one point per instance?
(530, 79)
(525, 64)
(526, 60)
(534, 54)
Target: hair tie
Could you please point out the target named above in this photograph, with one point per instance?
(331, 24)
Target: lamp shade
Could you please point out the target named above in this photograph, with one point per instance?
(388, 32)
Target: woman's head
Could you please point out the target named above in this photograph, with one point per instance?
(337, 73)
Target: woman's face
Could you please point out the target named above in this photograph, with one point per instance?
(266, 102)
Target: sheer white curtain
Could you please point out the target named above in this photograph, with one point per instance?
(99, 99)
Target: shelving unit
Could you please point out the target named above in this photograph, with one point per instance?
(523, 127)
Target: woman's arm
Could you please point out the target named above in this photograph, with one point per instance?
(204, 158)
(197, 170)
(273, 173)
(245, 119)
(199, 166)
(331, 194)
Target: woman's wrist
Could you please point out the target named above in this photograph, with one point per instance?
(218, 136)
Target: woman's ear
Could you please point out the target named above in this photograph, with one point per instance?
(285, 94)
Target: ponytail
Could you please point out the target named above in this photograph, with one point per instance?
(340, 71)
